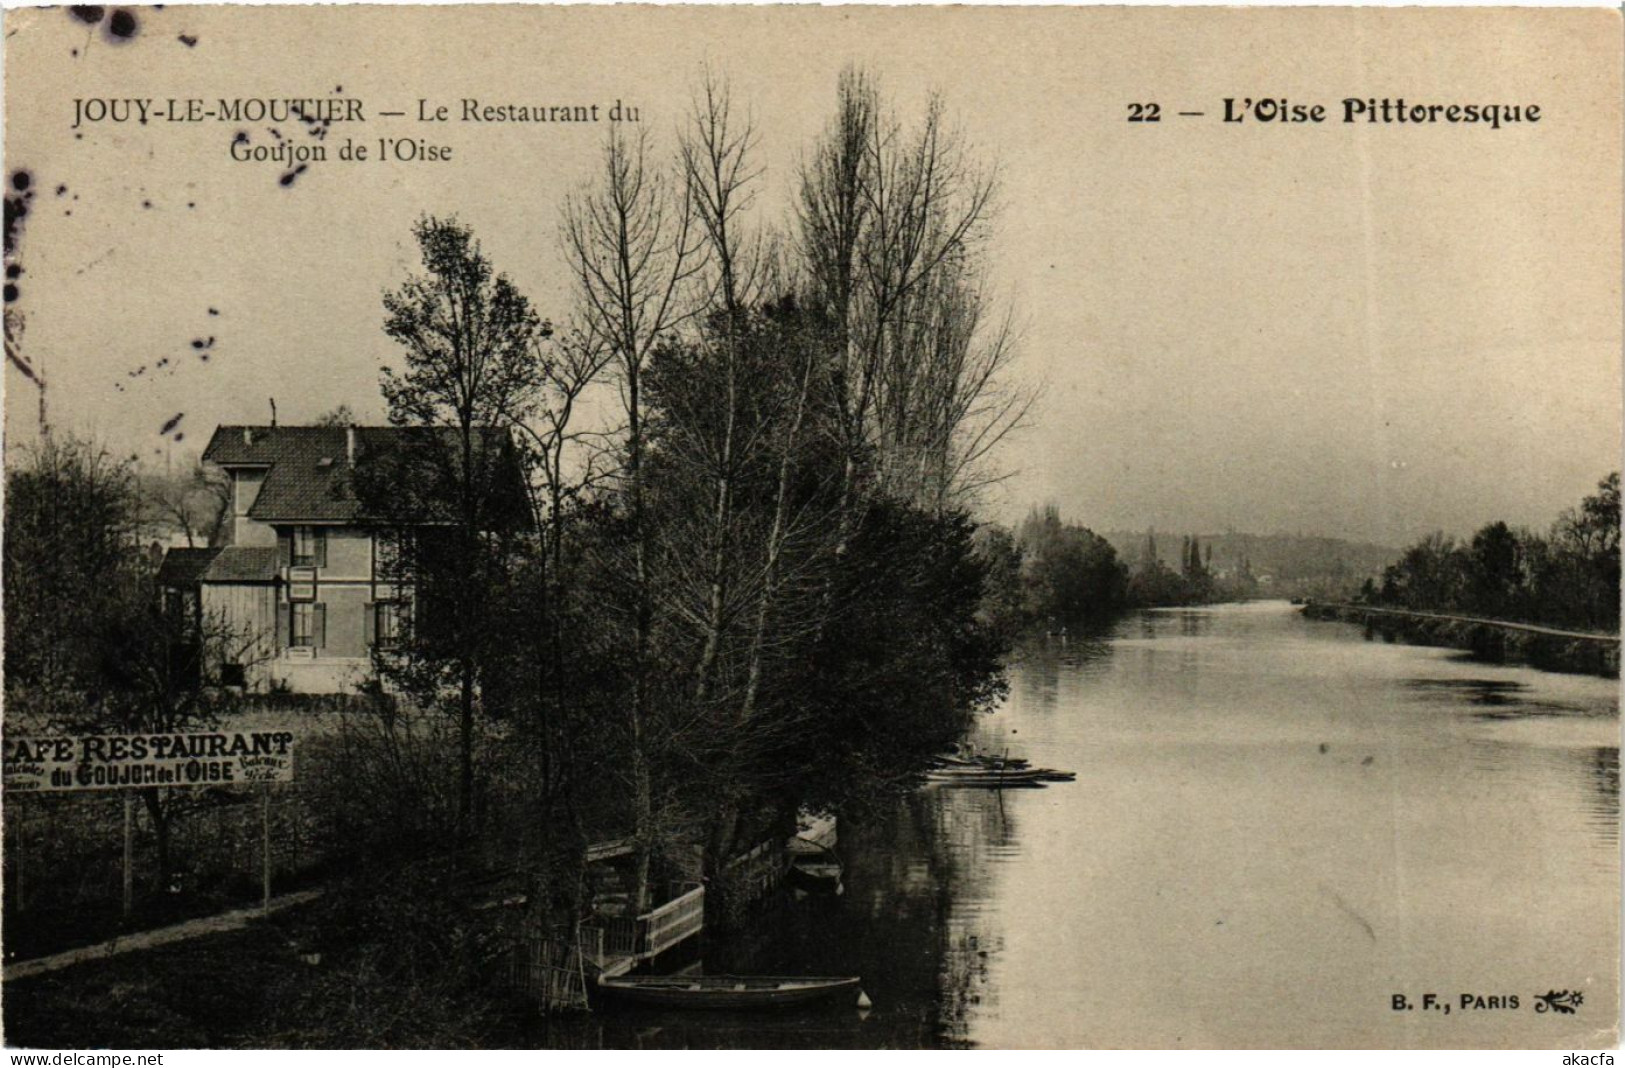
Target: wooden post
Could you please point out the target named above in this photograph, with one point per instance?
(129, 852)
(265, 848)
(19, 847)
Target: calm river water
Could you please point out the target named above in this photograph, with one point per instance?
(1277, 826)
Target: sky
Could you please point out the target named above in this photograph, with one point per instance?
(1357, 330)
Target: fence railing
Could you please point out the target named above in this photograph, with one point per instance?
(674, 921)
(758, 871)
(649, 933)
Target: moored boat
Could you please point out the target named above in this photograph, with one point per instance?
(814, 868)
(815, 873)
(983, 762)
(988, 782)
(1008, 775)
(728, 991)
(996, 777)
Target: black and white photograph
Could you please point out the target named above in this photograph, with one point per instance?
(811, 527)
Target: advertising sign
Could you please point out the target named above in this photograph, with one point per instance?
(112, 762)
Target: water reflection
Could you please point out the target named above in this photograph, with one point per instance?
(1498, 698)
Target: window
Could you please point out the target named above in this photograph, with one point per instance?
(303, 632)
(304, 546)
(386, 624)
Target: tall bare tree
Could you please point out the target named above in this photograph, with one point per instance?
(715, 151)
(195, 502)
(891, 224)
(629, 242)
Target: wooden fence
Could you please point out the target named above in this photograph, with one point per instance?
(551, 970)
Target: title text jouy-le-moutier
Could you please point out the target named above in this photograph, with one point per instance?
(337, 109)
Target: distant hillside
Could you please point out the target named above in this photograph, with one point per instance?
(1272, 558)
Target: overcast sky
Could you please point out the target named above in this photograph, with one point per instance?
(1365, 331)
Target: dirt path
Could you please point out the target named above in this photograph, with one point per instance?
(162, 936)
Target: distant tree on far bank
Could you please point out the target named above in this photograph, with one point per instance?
(1069, 574)
(1568, 577)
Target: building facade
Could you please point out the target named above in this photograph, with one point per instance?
(297, 567)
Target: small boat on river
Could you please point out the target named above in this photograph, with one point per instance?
(816, 873)
(986, 777)
(985, 762)
(740, 992)
(996, 776)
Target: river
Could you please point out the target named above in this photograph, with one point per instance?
(1278, 826)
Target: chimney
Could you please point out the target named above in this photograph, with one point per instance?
(349, 444)
(248, 435)
(273, 411)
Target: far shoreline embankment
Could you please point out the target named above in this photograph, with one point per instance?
(1494, 640)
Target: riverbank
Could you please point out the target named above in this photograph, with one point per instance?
(1341, 869)
(1496, 641)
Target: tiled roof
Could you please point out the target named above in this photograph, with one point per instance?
(183, 567)
(243, 563)
(309, 466)
(307, 476)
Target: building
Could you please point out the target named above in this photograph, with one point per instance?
(298, 564)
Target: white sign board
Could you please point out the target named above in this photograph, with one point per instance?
(119, 761)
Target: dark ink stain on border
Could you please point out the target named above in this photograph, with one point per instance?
(19, 192)
(122, 25)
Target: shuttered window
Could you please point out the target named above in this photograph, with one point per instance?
(303, 634)
(304, 546)
(308, 629)
(386, 627)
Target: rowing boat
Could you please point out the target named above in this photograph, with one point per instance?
(728, 991)
(1000, 778)
(991, 774)
(982, 762)
(816, 874)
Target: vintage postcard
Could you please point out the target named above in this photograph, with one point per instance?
(792, 526)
